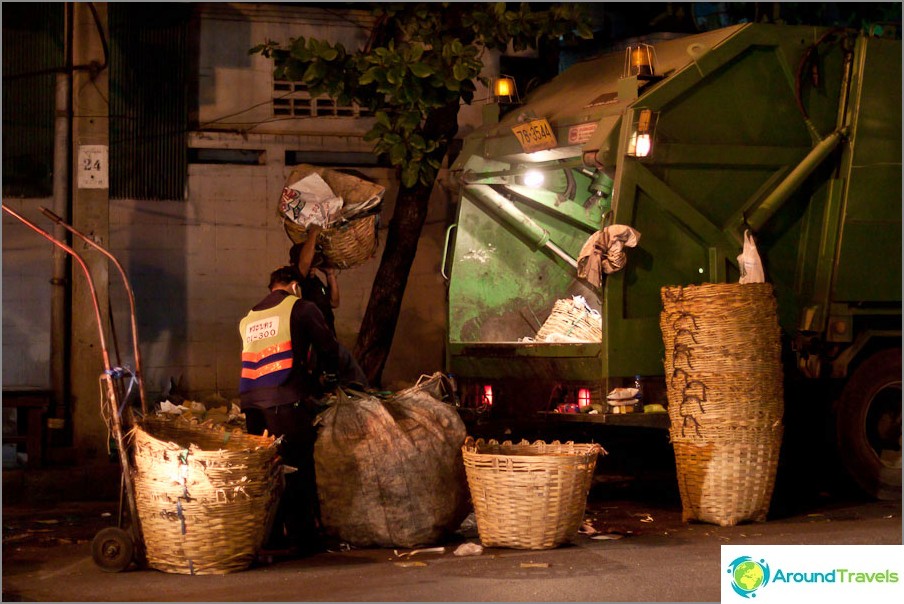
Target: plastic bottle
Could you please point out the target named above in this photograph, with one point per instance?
(638, 405)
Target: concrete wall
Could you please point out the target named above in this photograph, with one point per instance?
(196, 268)
(197, 265)
(27, 268)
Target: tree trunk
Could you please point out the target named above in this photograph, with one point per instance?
(381, 317)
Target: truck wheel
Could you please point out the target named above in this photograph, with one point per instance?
(112, 549)
(868, 425)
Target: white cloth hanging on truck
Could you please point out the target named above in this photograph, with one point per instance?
(603, 252)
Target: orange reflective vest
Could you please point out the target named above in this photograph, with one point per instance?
(267, 346)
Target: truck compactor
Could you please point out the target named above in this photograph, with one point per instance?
(790, 133)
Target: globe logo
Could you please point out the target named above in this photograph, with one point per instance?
(748, 575)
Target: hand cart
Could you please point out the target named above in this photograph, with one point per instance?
(113, 548)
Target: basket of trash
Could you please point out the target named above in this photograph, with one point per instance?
(528, 495)
(205, 495)
(572, 320)
(345, 206)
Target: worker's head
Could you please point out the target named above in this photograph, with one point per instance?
(285, 278)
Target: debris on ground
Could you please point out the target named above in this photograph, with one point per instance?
(410, 564)
(468, 549)
(415, 552)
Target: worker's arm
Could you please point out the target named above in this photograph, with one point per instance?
(332, 285)
(306, 255)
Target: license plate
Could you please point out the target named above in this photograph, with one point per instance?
(535, 135)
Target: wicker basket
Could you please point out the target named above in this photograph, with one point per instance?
(573, 319)
(730, 478)
(205, 496)
(352, 240)
(726, 398)
(528, 496)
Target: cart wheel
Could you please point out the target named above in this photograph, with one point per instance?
(112, 549)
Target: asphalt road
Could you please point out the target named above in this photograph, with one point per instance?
(649, 555)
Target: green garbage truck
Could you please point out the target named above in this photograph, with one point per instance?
(674, 150)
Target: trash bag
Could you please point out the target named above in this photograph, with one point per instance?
(749, 262)
(390, 472)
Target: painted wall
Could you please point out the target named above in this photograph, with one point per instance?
(197, 265)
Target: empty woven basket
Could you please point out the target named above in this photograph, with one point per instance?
(528, 496)
(205, 496)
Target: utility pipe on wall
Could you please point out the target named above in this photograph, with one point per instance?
(59, 281)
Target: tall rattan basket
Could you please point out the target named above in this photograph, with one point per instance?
(205, 496)
(726, 398)
(352, 240)
(528, 496)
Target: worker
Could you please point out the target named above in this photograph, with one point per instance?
(305, 257)
(307, 260)
(279, 391)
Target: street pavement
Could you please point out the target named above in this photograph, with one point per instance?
(648, 555)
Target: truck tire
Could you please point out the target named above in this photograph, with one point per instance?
(868, 425)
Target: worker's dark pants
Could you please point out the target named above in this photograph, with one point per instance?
(298, 513)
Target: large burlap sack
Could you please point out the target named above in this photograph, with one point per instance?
(390, 472)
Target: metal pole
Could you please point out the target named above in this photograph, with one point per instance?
(128, 288)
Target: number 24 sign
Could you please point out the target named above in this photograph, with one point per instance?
(535, 135)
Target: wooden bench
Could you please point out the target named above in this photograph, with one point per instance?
(34, 403)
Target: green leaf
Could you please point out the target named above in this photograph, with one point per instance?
(421, 70)
(397, 154)
(410, 174)
(314, 73)
(370, 76)
(298, 44)
(329, 54)
(410, 120)
(460, 72)
(584, 31)
(417, 142)
(383, 119)
(294, 70)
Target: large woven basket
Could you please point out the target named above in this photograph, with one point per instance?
(205, 496)
(528, 496)
(574, 320)
(726, 399)
(728, 480)
(352, 240)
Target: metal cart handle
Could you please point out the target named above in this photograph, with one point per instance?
(442, 267)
